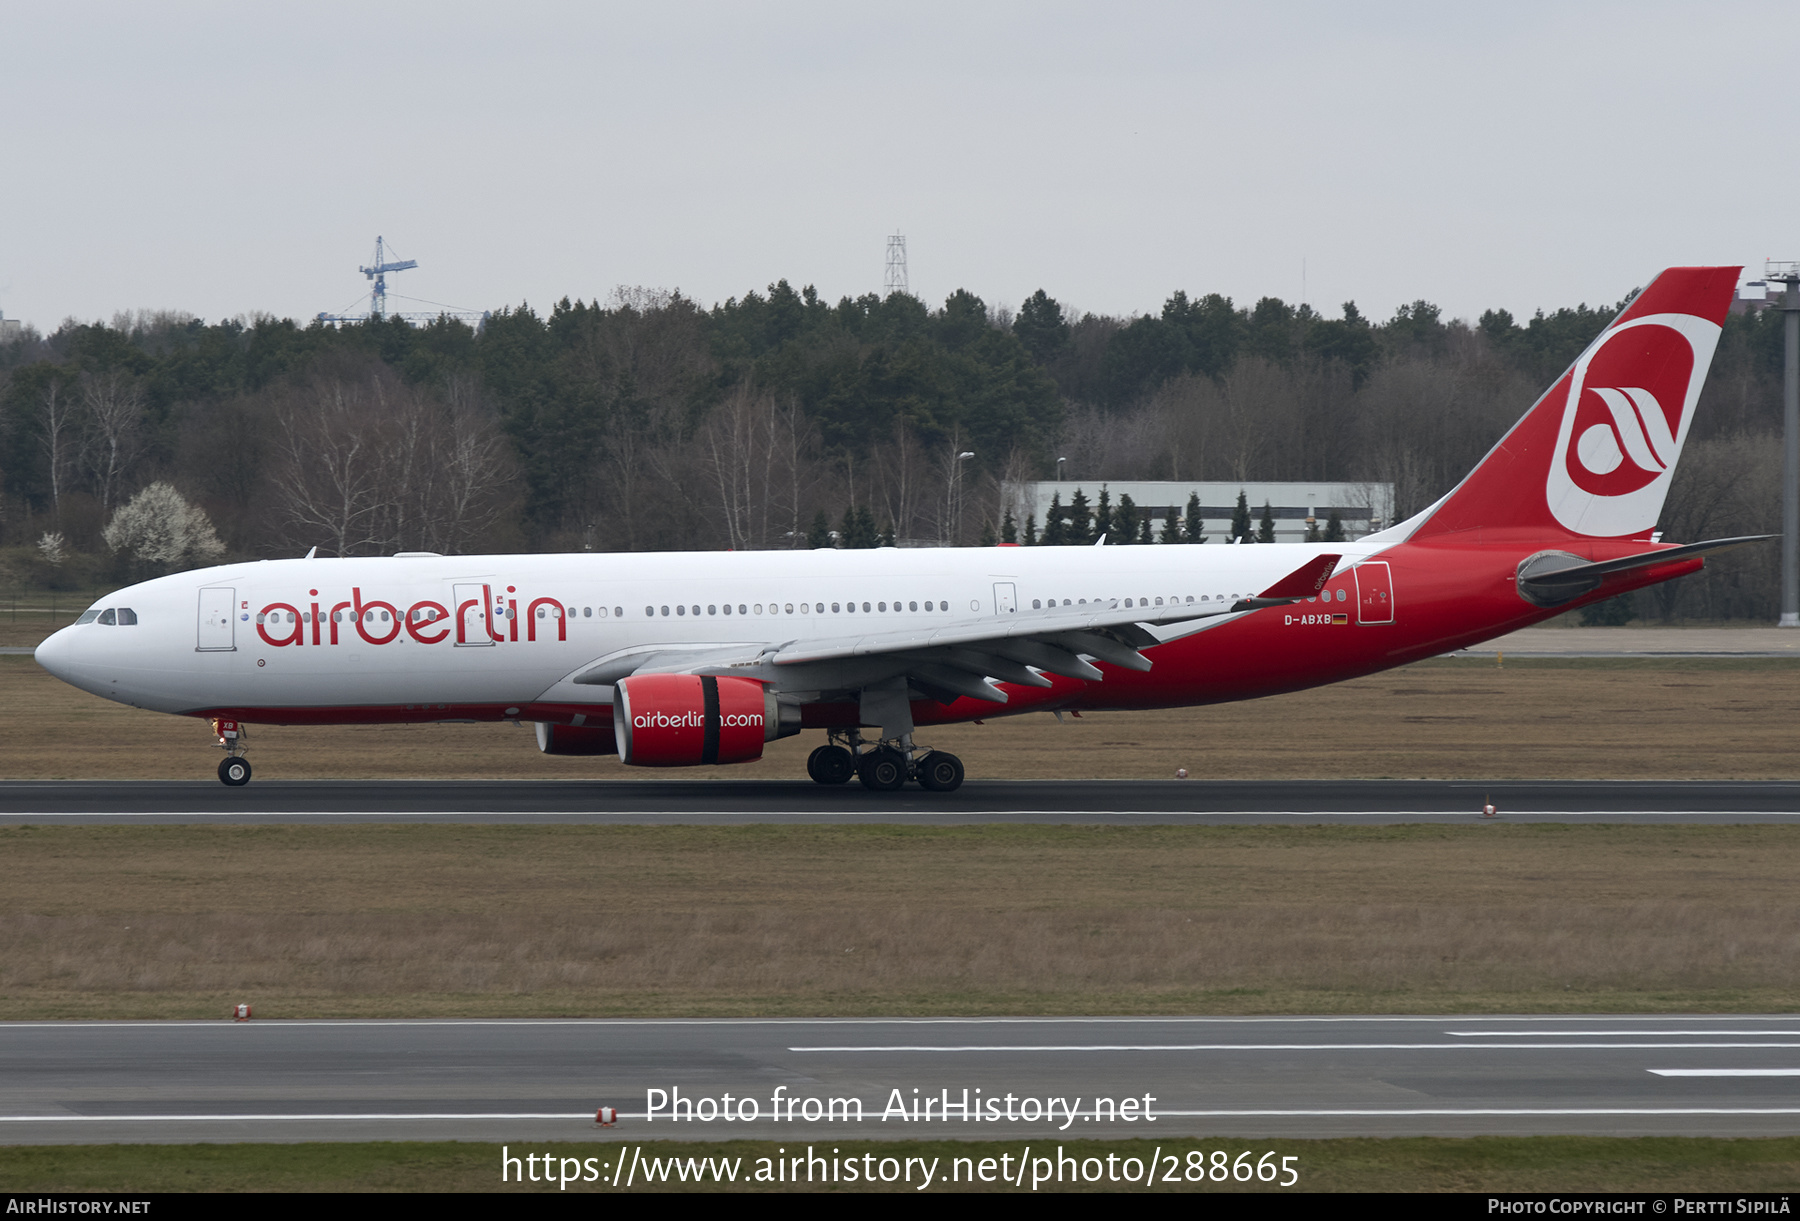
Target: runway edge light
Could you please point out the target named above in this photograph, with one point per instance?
(606, 1117)
(241, 1014)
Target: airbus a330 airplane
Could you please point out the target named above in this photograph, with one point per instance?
(680, 659)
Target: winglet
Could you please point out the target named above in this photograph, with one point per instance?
(1304, 581)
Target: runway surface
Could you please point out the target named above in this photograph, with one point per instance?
(76, 1082)
(672, 802)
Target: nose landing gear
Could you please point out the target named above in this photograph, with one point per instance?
(234, 769)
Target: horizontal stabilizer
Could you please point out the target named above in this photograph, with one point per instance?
(1552, 578)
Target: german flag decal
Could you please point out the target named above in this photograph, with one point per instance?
(1336, 619)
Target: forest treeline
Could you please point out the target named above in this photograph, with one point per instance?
(650, 422)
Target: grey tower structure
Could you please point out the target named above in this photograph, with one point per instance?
(894, 281)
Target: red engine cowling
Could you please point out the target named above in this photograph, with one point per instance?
(680, 720)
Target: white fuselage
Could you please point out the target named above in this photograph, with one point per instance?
(436, 633)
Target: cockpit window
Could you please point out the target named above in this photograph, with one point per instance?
(88, 616)
(108, 618)
(127, 617)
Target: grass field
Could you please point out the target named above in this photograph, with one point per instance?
(1499, 1164)
(1669, 718)
(424, 920)
(112, 922)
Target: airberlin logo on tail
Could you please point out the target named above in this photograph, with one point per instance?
(1630, 399)
(1627, 448)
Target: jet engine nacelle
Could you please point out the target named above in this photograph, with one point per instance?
(555, 739)
(680, 720)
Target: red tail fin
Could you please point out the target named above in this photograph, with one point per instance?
(1594, 457)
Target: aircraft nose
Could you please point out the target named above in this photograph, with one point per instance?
(57, 653)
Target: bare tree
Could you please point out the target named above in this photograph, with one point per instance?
(954, 478)
(1725, 486)
(1189, 410)
(329, 474)
(472, 466)
(58, 434)
(740, 440)
(112, 405)
(897, 480)
(369, 464)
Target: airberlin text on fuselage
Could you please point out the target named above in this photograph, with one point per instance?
(494, 619)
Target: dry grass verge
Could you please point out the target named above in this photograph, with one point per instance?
(1668, 718)
(310, 921)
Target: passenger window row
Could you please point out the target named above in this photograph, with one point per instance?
(805, 608)
(1173, 600)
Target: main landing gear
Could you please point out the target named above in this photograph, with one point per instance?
(881, 766)
(234, 769)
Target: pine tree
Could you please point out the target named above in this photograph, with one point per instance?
(1079, 523)
(1103, 517)
(1240, 519)
(987, 536)
(886, 538)
(1334, 528)
(1194, 530)
(858, 530)
(1009, 529)
(1312, 532)
(1171, 529)
(1031, 529)
(1056, 531)
(820, 534)
(1144, 531)
(1127, 519)
(1265, 529)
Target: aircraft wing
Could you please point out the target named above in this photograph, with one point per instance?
(965, 658)
(958, 659)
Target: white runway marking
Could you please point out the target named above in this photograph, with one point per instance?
(588, 1116)
(348, 1115)
(1601, 1034)
(1429, 1019)
(1726, 1072)
(1090, 1047)
(878, 815)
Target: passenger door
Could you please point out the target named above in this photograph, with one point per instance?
(1374, 592)
(471, 615)
(218, 623)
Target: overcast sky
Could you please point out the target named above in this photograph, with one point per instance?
(230, 158)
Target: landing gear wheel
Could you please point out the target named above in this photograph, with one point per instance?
(830, 765)
(882, 770)
(234, 771)
(941, 772)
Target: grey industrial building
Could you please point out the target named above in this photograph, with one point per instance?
(1363, 508)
